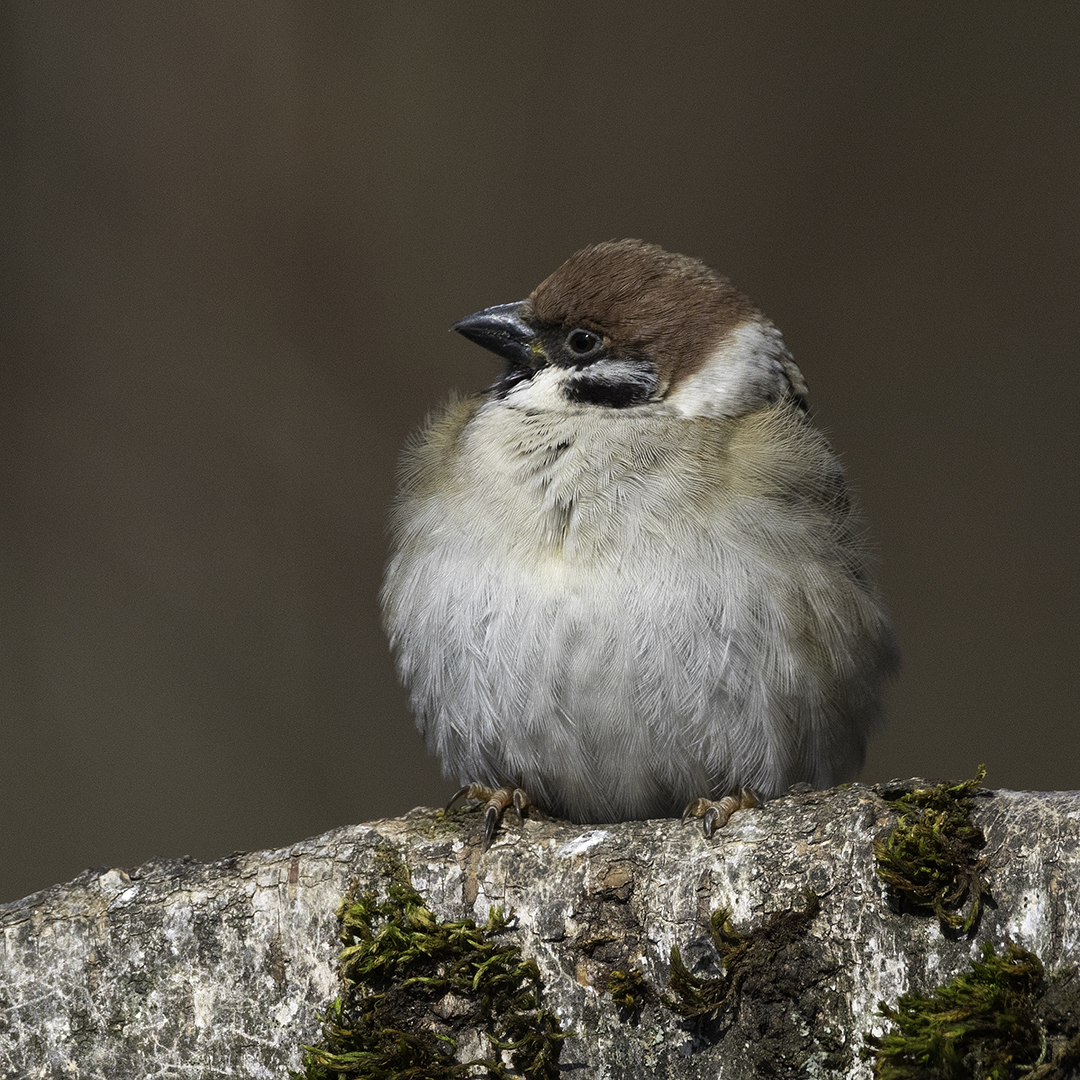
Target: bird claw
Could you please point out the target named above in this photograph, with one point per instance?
(716, 814)
(496, 801)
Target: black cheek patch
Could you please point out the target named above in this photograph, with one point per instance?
(611, 393)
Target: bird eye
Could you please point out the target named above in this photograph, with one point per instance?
(583, 343)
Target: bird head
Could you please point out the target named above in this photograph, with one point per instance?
(625, 324)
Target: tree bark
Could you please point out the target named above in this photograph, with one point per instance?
(183, 969)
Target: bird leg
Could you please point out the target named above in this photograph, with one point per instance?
(715, 815)
(496, 801)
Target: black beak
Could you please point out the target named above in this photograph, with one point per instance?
(503, 330)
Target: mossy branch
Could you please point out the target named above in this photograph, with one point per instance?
(462, 963)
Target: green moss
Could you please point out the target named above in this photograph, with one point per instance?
(628, 990)
(929, 859)
(1000, 1021)
(449, 821)
(413, 984)
(743, 956)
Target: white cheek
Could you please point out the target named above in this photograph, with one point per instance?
(545, 391)
(751, 366)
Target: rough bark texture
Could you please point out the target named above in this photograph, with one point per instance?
(181, 969)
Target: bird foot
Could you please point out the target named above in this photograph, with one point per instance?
(715, 815)
(496, 801)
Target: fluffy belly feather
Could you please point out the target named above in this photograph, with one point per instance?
(605, 696)
(590, 612)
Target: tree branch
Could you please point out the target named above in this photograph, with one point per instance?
(183, 969)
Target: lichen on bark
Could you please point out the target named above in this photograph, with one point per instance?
(778, 994)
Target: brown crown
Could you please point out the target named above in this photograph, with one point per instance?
(672, 307)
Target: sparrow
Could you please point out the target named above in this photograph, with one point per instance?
(628, 580)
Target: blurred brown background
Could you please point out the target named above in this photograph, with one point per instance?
(235, 235)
